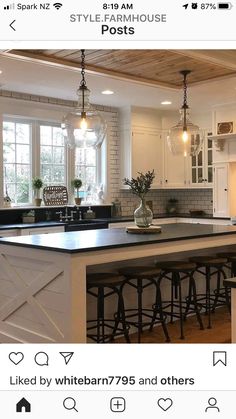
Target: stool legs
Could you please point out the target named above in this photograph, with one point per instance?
(140, 308)
(139, 314)
(208, 295)
(101, 323)
(176, 295)
(120, 317)
(218, 292)
(157, 309)
(193, 284)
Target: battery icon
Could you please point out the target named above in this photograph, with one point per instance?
(224, 6)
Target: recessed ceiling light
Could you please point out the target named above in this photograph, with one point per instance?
(0, 71)
(166, 102)
(107, 92)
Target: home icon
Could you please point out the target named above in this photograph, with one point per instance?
(23, 406)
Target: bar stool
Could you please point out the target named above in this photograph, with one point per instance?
(207, 263)
(141, 277)
(225, 292)
(105, 329)
(177, 272)
(231, 260)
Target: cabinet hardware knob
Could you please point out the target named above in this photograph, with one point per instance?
(225, 190)
(166, 180)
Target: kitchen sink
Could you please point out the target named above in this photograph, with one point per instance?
(70, 222)
(79, 225)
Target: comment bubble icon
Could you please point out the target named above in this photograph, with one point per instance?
(42, 359)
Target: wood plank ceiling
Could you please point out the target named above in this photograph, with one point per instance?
(154, 67)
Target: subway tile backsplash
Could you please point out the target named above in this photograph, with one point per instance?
(188, 199)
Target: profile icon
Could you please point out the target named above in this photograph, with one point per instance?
(212, 402)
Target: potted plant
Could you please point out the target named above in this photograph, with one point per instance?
(37, 184)
(140, 186)
(76, 184)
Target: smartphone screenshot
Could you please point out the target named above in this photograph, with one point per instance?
(117, 209)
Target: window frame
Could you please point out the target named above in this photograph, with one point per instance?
(38, 124)
(35, 163)
(20, 120)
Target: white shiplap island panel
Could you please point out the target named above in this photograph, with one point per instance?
(43, 278)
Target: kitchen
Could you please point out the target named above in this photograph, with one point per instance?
(138, 116)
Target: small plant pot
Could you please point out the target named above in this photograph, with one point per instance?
(37, 202)
(78, 201)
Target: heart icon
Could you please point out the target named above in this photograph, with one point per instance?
(165, 404)
(16, 357)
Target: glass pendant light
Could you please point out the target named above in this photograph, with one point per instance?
(185, 137)
(84, 127)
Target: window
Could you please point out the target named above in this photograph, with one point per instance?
(36, 148)
(86, 170)
(52, 155)
(17, 160)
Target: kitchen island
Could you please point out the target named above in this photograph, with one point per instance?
(43, 277)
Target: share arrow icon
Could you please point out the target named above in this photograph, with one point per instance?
(67, 356)
(185, 6)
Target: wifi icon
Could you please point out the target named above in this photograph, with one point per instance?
(58, 5)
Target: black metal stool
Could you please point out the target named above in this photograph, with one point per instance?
(176, 272)
(231, 261)
(225, 292)
(141, 277)
(96, 286)
(211, 265)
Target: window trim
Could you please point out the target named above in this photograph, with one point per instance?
(22, 120)
(35, 155)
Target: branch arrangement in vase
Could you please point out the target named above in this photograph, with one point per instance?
(142, 184)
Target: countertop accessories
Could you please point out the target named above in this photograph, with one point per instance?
(83, 127)
(143, 216)
(140, 186)
(185, 138)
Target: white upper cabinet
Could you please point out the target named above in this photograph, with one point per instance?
(141, 144)
(175, 169)
(147, 154)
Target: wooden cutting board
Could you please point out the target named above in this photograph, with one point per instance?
(143, 230)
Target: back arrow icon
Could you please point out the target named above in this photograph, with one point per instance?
(12, 23)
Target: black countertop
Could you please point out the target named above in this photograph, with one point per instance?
(43, 224)
(91, 240)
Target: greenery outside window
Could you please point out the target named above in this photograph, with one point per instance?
(86, 170)
(52, 155)
(17, 140)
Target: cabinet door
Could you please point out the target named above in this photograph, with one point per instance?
(174, 170)
(197, 175)
(147, 154)
(8, 233)
(220, 191)
(201, 165)
(209, 161)
(46, 230)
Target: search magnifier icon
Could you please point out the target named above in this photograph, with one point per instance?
(69, 404)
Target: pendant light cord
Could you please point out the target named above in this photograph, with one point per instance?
(185, 103)
(83, 85)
